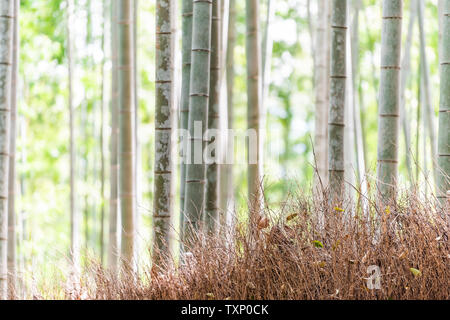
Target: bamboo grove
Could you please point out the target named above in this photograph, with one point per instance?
(194, 116)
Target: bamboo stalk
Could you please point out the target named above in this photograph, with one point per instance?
(389, 96)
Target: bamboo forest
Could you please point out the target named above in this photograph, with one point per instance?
(224, 150)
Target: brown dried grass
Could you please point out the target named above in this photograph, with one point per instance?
(293, 257)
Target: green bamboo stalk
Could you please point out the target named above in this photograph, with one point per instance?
(227, 186)
(127, 144)
(444, 109)
(359, 135)
(389, 96)
(429, 114)
(336, 116)
(163, 197)
(322, 73)
(185, 87)
(418, 118)
(213, 169)
(198, 116)
(6, 60)
(253, 54)
(12, 159)
(113, 243)
(406, 68)
(74, 216)
(102, 136)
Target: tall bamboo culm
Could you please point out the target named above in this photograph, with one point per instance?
(186, 39)
(6, 60)
(163, 195)
(12, 158)
(113, 243)
(74, 216)
(389, 99)
(322, 73)
(253, 55)
(444, 108)
(336, 115)
(213, 169)
(430, 113)
(227, 180)
(127, 192)
(198, 117)
(406, 70)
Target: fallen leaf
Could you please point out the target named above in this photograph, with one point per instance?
(263, 223)
(292, 216)
(415, 272)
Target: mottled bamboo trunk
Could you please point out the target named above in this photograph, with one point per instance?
(163, 197)
(184, 103)
(429, 114)
(213, 169)
(444, 109)
(198, 117)
(253, 53)
(389, 97)
(113, 243)
(336, 116)
(12, 159)
(127, 192)
(322, 73)
(74, 216)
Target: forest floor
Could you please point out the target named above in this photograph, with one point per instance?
(402, 254)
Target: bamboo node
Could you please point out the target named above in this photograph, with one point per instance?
(163, 172)
(340, 27)
(201, 50)
(199, 95)
(196, 181)
(391, 67)
(388, 160)
(337, 124)
(392, 115)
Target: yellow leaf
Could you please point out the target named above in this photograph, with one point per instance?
(292, 216)
(387, 210)
(338, 209)
(336, 244)
(415, 272)
(210, 296)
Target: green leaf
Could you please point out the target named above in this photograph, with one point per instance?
(317, 244)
